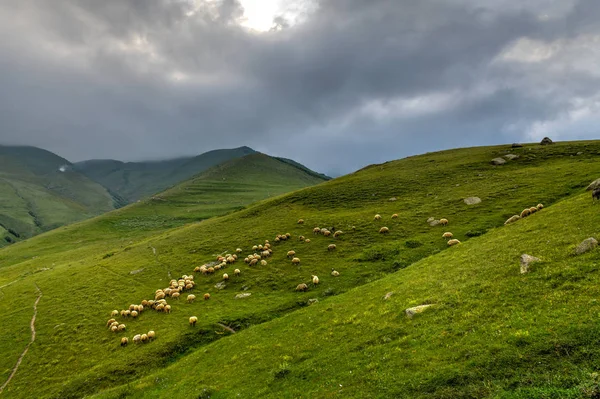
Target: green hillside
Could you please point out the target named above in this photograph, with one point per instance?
(135, 180)
(491, 331)
(35, 195)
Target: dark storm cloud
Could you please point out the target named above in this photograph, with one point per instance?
(359, 81)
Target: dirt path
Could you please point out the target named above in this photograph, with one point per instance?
(32, 325)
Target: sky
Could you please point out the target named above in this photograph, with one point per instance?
(333, 84)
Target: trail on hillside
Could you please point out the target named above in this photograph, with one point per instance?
(6, 285)
(32, 326)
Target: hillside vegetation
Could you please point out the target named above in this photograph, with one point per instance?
(136, 180)
(36, 196)
(491, 331)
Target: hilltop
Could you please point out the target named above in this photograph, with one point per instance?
(40, 191)
(136, 180)
(491, 331)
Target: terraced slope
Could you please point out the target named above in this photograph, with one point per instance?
(136, 180)
(479, 340)
(36, 196)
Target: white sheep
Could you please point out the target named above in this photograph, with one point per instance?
(315, 280)
(331, 247)
(296, 261)
(137, 338)
(377, 217)
(384, 230)
(239, 250)
(447, 235)
(114, 313)
(191, 298)
(334, 272)
(151, 334)
(452, 242)
(193, 320)
(291, 254)
(443, 221)
(300, 221)
(236, 272)
(316, 230)
(395, 216)
(225, 276)
(263, 262)
(124, 341)
(144, 337)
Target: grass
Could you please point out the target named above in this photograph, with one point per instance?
(491, 333)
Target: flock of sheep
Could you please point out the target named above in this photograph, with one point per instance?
(524, 213)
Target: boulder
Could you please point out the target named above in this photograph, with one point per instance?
(546, 141)
(431, 219)
(517, 145)
(312, 301)
(410, 312)
(393, 199)
(434, 223)
(388, 295)
(593, 185)
(243, 295)
(498, 161)
(472, 200)
(525, 261)
(510, 157)
(512, 219)
(220, 285)
(586, 245)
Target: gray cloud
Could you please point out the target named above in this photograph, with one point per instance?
(357, 82)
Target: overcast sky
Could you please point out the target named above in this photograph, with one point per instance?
(333, 84)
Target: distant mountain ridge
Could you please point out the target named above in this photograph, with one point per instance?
(132, 181)
(40, 191)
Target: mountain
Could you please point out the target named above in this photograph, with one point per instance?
(491, 331)
(40, 191)
(136, 180)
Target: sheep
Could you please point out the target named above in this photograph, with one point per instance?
(338, 233)
(230, 259)
(447, 235)
(334, 272)
(266, 254)
(315, 280)
(160, 295)
(331, 247)
(300, 221)
(137, 338)
(144, 337)
(109, 322)
(206, 296)
(151, 334)
(296, 261)
(512, 219)
(526, 212)
(253, 262)
(238, 250)
(452, 242)
(189, 286)
(323, 230)
(307, 240)
(395, 216)
(144, 303)
(254, 247)
(113, 324)
(134, 314)
(327, 233)
(125, 313)
(596, 194)
(124, 341)
(302, 287)
(160, 307)
(443, 222)
(237, 272)
(540, 206)
(316, 230)
(114, 328)
(211, 270)
(114, 313)
(301, 238)
(533, 209)
(234, 256)
(291, 254)
(384, 230)
(193, 321)
(225, 276)
(263, 262)
(190, 298)
(197, 269)
(377, 217)
(121, 327)
(131, 307)
(175, 295)
(247, 260)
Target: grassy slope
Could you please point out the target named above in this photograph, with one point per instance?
(135, 180)
(35, 196)
(74, 355)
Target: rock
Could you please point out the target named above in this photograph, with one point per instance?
(388, 295)
(580, 153)
(510, 157)
(525, 261)
(434, 223)
(498, 161)
(410, 312)
(472, 200)
(393, 199)
(517, 145)
(586, 245)
(244, 295)
(431, 219)
(546, 141)
(593, 185)
(136, 271)
(220, 285)
(312, 301)
(512, 219)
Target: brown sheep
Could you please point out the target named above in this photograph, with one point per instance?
(316, 230)
(206, 296)
(302, 287)
(444, 222)
(327, 233)
(526, 212)
(124, 341)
